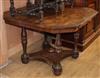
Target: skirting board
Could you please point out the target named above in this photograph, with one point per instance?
(36, 45)
(5, 64)
(18, 48)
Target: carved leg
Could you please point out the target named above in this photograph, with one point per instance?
(62, 6)
(45, 43)
(75, 51)
(12, 8)
(57, 69)
(58, 44)
(95, 23)
(24, 56)
(41, 10)
(57, 6)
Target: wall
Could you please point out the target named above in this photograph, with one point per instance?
(11, 36)
(3, 39)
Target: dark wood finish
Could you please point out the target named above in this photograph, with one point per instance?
(38, 8)
(45, 42)
(12, 8)
(70, 21)
(75, 50)
(97, 19)
(54, 23)
(51, 58)
(24, 56)
(89, 32)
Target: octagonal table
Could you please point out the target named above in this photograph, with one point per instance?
(70, 21)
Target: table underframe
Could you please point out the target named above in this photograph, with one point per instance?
(49, 55)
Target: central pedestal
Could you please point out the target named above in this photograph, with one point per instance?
(51, 58)
(50, 54)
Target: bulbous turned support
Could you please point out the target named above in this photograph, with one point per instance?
(58, 43)
(12, 8)
(62, 6)
(57, 69)
(24, 56)
(41, 10)
(57, 6)
(75, 54)
(46, 41)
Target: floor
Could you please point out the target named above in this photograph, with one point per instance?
(86, 66)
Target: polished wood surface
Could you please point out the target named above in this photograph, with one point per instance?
(89, 32)
(70, 21)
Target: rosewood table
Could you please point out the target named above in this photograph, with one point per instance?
(70, 21)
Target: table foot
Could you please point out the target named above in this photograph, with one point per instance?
(75, 55)
(25, 58)
(57, 69)
(51, 58)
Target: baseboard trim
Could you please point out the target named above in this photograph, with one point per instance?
(5, 64)
(18, 48)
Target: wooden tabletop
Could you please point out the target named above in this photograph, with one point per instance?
(69, 21)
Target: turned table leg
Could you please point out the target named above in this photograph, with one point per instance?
(41, 10)
(12, 8)
(57, 68)
(62, 7)
(45, 42)
(24, 56)
(58, 43)
(57, 6)
(75, 51)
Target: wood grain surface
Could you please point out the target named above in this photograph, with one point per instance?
(69, 21)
